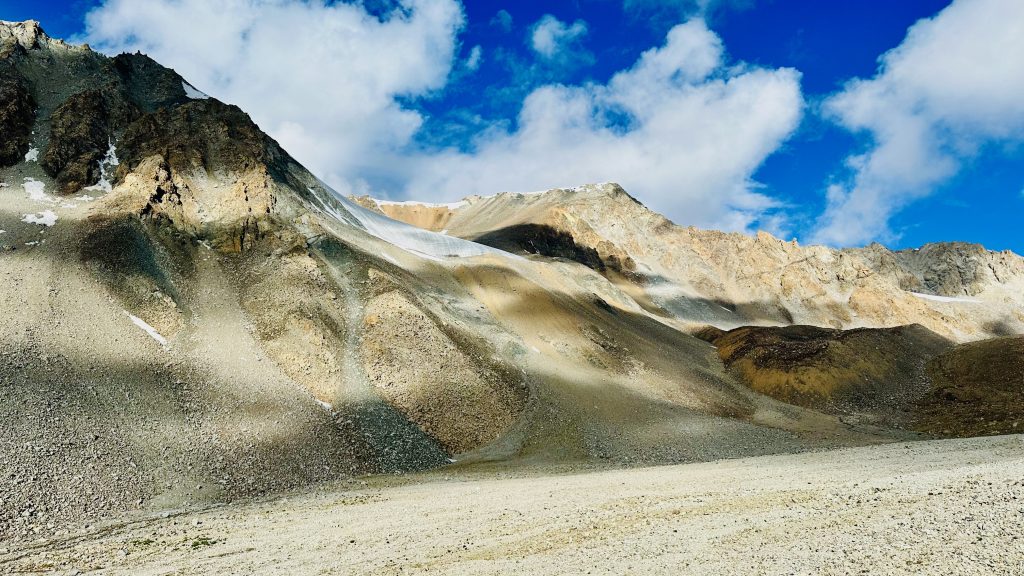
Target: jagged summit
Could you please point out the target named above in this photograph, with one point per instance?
(27, 35)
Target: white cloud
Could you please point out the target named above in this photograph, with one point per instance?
(953, 86)
(550, 36)
(680, 130)
(475, 56)
(322, 79)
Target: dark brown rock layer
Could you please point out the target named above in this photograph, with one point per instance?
(17, 114)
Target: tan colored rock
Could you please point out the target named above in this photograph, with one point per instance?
(730, 279)
(437, 384)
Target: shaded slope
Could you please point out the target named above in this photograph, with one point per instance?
(544, 241)
(17, 113)
(977, 389)
(877, 374)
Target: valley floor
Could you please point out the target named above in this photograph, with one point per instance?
(939, 507)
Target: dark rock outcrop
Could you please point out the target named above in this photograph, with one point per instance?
(201, 134)
(80, 133)
(873, 372)
(977, 390)
(148, 84)
(547, 241)
(17, 115)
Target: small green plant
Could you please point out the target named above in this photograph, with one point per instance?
(202, 541)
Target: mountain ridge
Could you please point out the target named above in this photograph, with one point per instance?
(774, 280)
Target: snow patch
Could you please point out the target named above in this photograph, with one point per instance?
(326, 406)
(32, 155)
(109, 161)
(44, 218)
(147, 328)
(449, 205)
(192, 93)
(935, 298)
(36, 190)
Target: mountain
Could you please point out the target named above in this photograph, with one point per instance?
(696, 277)
(191, 316)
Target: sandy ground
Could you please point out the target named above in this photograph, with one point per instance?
(943, 507)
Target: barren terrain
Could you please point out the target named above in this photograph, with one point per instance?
(940, 507)
(213, 363)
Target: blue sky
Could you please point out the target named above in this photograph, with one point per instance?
(435, 100)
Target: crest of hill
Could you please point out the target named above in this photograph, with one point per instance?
(729, 279)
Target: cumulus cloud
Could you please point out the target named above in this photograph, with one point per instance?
(324, 79)
(550, 36)
(681, 129)
(952, 87)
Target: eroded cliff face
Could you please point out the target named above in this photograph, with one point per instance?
(695, 276)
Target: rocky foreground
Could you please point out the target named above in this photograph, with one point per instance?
(941, 507)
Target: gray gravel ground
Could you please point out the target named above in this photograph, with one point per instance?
(942, 507)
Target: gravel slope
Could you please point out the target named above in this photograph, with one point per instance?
(941, 507)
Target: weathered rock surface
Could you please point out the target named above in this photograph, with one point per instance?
(80, 134)
(876, 374)
(976, 389)
(17, 114)
(466, 405)
(210, 322)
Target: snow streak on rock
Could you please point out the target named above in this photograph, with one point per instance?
(192, 93)
(423, 243)
(147, 328)
(108, 162)
(935, 298)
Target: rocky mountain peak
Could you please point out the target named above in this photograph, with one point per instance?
(27, 35)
